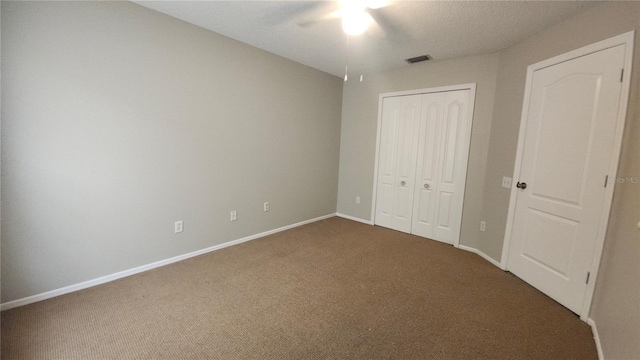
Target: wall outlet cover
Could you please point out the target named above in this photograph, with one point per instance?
(178, 226)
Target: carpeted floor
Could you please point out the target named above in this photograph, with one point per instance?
(335, 289)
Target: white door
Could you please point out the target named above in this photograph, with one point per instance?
(568, 146)
(424, 206)
(443, 150)
(397, 160)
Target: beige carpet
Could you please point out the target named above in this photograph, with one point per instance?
(335, 289)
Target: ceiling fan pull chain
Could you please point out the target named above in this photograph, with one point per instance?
(346, 62)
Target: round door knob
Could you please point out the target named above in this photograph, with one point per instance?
(403, 183)
(426, 186)
(521, 185)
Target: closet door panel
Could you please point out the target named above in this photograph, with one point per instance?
(397, 161)
(444, 206)
(406, 150)
(451, 140)
(453, 162)
(427, 164)
(384, 198)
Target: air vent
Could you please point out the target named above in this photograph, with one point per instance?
(420, 58)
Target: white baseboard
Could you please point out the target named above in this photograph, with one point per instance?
(463, 247)
(596, 337)
(104, 279)
(354, 219)
(485, 256)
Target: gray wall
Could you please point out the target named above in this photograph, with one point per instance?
(118, 121)
(616, 306)
(359, 127)
(596, 24)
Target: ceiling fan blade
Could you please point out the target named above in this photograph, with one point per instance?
(377, 4)
(308, 23)
(326, 17)
(375, 30)
(389, 27)
(290, 10)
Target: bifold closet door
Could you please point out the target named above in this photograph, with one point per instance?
(443, 150)
(397, 160)
(422, 163)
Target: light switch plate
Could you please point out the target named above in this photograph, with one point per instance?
(506, 182)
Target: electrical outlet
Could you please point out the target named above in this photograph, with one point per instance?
(483, 225)
(266, 207)
(234, 215)
(177, 226)
(357, 199)
(506, 182)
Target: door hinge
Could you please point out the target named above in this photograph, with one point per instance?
(621, 74)
(606, 180)
(588, 276)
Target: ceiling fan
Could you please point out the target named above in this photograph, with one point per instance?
(356, 15)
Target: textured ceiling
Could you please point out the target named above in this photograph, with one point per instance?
(442, 29)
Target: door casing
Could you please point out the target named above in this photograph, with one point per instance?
(472, 91)
(623, 39)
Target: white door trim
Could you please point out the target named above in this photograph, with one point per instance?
(623, 39)
(470, 86)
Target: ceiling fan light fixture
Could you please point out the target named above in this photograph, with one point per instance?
(355, 21)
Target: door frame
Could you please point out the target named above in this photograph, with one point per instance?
(623, 39)
(472, 98)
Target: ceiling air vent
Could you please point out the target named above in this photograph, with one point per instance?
(420, 58)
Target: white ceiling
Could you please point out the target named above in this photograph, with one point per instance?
(442, 29)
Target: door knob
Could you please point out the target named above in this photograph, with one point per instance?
(403, 183)
(426, 186)
(522, 185)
